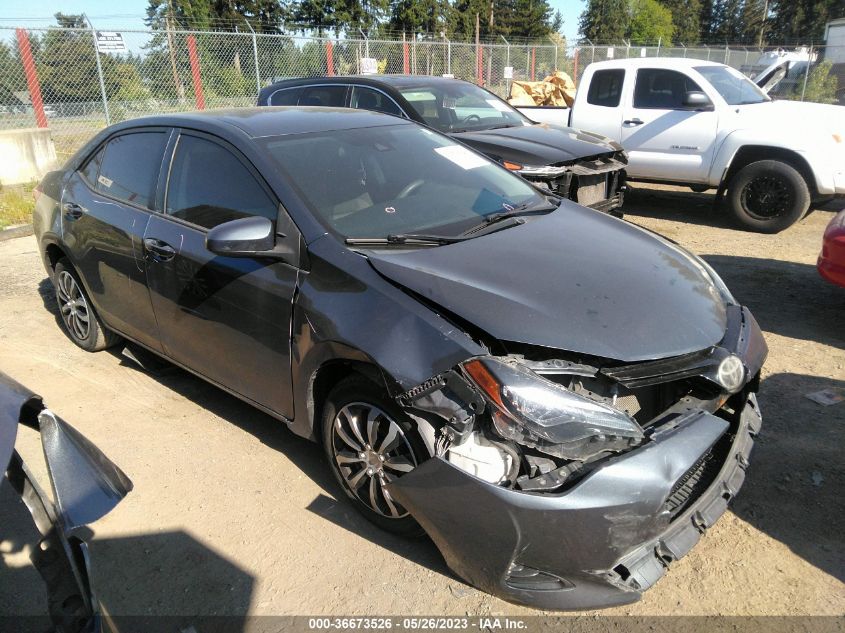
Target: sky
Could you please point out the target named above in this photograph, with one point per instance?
(112, 14)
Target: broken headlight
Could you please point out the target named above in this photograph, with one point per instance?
(538, 413)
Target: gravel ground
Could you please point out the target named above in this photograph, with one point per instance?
(231, 514)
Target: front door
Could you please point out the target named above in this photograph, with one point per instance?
(226, 318)
(106, 206)
(665, 140)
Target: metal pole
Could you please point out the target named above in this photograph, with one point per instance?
(366, 43)
(255, 55)
(555, 44)
(593, 47)
(807, 74)
(99, 71)
(507, 61)
(685, 49)
(727, 54)
(659, 42)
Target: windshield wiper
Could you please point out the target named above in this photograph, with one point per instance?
(404, 238)
(512, 212)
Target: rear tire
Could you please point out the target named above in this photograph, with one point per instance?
(768, 196)
(79, 318)
(361, 461)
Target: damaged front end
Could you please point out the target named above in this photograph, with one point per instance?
(569, 482)
(598, 182)
(85, 485)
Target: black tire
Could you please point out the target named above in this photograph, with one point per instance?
(75, 307)
(410, 448)
(768, 196)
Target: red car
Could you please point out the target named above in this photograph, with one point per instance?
(831, 262)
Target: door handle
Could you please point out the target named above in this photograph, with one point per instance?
(161, 251)
(633, 121)
(72, 210)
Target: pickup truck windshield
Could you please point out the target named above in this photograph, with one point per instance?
(461, 107)
(735, 88)
(396, 179)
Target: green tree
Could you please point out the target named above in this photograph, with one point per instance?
(605, 21)
(821, 85)
(418, 16)
(802, 21)
(650, 22)
(686, 18)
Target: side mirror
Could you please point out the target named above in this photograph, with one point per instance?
(244, 237)
(697, 100)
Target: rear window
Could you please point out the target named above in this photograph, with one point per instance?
(130, 167)
(285, 97)
(324, 96)
(606, 88)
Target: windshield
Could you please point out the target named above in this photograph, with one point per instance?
(380, 181)
(461, 107)
(735, 88)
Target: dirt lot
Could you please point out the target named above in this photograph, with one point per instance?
(231, 514)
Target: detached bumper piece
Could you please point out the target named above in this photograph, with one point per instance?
(85, 486)
(601, 542)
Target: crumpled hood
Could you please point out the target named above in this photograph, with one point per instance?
(575, 280)
(537, 145)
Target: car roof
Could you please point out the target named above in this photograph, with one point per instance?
(262, 121)
(395, 81)
(654, 62)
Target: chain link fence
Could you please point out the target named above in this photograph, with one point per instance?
(60, 79)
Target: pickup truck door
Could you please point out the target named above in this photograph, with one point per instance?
(665, 140)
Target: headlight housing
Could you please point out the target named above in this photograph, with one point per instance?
(538, 413)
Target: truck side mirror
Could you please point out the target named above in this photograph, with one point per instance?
(697, 100)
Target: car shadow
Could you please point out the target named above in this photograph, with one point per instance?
(809, 308)
(794, 487)
(306, 455)
(689, 207)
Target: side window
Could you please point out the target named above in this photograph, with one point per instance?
(324, 96)
(606, 88)
(208, 186)
(369, 99)
(662, 89)
(130, 167)
(285, 97)
(92, 167)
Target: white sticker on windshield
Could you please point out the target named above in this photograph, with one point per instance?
(497, 105)
(461, 156)
(106, 182)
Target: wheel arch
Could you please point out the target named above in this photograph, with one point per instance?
(747, 154)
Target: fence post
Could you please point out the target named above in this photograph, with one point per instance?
(406, 62)
(195, 72)
(448, 54)
(533, 60)
(685, 50)
(659, 42)
(255, 55)
(507, 61)
(575, 65)
(99, 70)
(31, 77)
(329, 58)
(727, 54)
(807, 74)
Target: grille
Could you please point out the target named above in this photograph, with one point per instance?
(686, 488)
(592, 189)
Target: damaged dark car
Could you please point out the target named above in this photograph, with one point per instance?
(582, 166)
(562, 401)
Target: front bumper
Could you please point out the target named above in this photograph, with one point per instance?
(598, 544)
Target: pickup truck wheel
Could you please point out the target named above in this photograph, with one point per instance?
(81, 322)
(369, 442)
(768, 196)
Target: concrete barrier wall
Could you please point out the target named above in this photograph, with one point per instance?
(25, 155)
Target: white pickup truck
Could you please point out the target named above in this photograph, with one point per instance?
(707, 126)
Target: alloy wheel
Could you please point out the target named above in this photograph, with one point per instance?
(370, 451)
(73, 306)
(766, 197)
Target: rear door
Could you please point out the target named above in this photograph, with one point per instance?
(602, 112)
(665, 140)
(226, 318)
(106, 206)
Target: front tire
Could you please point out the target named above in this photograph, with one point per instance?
(369, 441)
(768, 196)
(79, 318)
